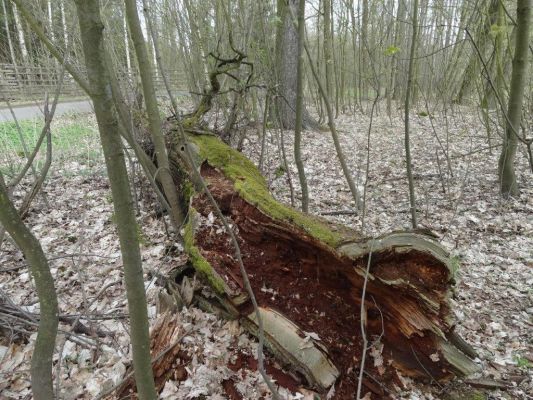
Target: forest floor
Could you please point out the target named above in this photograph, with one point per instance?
(490, 238)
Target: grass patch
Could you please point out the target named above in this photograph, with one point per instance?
(74, 138)
(67, 132)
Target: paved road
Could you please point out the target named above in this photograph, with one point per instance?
(33, 111)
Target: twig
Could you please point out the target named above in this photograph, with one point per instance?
(363, 323)
(340, 212)
(367, 169)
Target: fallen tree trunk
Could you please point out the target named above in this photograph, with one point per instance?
(308, 276)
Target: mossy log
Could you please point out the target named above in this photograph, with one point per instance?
(308, 275)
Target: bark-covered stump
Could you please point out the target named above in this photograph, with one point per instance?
(308, 277)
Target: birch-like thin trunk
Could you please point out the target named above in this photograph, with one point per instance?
(20, 33)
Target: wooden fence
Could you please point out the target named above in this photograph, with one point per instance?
(22, 82)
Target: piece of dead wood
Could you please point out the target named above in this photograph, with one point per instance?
(491, 384)
(310, 274)
(165, 338)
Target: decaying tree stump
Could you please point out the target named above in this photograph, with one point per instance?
(308, 276)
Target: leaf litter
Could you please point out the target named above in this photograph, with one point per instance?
(491, 241)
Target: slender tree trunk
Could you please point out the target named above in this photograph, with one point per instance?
(355, 71)
(412, 198)
(363, 49)
(91, 29)
(10, 42)
(41, 360)
(152, 109)
(127, 47)
(506, 171)
(299, 107)
(328, 58)
(20, 34)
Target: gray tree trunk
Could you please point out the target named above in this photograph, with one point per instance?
(506, 171)
(412, 197)
(300, 105)
(286, 66)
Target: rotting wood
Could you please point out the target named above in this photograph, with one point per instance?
(165, 337)
(308, 274)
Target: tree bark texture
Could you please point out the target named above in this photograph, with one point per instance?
(286, 66)
(152, 110)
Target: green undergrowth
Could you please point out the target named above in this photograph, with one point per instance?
(251, 185)
(74, 138)
(67, 133)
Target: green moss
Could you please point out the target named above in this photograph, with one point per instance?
(198, 261)
(522, 362)
(188, 189)
(455, 264)
(251, 185)
(140, 236)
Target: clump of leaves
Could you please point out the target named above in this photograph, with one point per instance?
(522, 362)
(280, 171)
(391, 50)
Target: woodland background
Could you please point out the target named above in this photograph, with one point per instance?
(381, 115)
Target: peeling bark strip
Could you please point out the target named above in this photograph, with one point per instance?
(308, 277)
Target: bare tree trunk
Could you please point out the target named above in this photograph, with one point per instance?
(328, 48)
(91, 28)
(286, 65)
(127, 47)
(506, 171)
(10, 41)
(20, 33)
(412, 197)
(299, 115)
(152, 109)
(41, 360)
